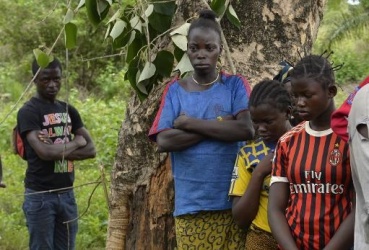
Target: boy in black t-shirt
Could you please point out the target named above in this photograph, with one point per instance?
(49, 204)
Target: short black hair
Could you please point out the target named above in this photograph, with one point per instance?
(270, 92)
(316, 67)
(206, 20)
(52, 65)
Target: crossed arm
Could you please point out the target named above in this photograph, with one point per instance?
(189, 131)
(81, 147)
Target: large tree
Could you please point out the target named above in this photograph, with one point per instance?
(141, 201)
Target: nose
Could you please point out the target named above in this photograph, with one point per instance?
(201, 54)
(52, 84)
(300, 101)
(261, 128)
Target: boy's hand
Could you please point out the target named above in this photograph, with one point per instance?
(44, 137)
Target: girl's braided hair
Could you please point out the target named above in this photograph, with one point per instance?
(270, 92)
(317, 67)
(206, 20)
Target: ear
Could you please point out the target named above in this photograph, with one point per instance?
(332, 91)
(289, 112)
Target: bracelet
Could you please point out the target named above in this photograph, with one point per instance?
(219, 118)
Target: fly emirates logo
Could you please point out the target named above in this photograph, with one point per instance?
(313, 185)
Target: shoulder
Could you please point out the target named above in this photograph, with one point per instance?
(232, 78)
(253, 146)
(29, 106)
(293, 132)
(235, 80)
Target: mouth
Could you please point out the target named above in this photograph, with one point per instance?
(302, 113)
(201, 66)
(264, 137)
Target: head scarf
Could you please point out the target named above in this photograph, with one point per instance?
(283, 74)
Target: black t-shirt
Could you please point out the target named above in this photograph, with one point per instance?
(60, 122)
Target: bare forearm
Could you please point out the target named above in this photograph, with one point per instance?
(176, 140)
(281, 230)
(246, 208)
(85, 152)
(344, 237)
(278, 200)
(58, 151)
(228, 130)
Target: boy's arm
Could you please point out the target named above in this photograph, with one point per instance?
(49, 152)
(88, 151)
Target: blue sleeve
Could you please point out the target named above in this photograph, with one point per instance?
(165, 115)
(241, 95)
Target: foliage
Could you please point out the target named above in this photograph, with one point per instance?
(103, 120)
(341, 34)
(139, 30)
(38, 28)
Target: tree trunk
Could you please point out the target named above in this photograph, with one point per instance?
(141, 198)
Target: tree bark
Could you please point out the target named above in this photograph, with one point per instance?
(141, 198)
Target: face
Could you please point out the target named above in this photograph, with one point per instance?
(48, 83)
(203, 49)
(269, 122)
(310, 98)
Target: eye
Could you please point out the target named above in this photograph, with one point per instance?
(211, 48)
(192, 48)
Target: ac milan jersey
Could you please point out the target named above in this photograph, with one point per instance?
(316, 165)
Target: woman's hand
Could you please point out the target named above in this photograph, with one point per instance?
(264, 168)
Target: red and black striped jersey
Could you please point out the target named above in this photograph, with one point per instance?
(316, 164)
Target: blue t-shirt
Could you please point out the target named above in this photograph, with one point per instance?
(202, 172)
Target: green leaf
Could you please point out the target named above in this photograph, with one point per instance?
(180, 41)
(96, 10)
(70, 32)
(182, 30)
(101, 6)
(160, 22)
(41, 57)
(218, 6)
(136, 23)
(92, 13)
(147, 72)
(149, 10)
(118, 28)
(166, 8)
(178, 53)
(132, 72)
(80, 4)
(232, 16)
(68, 16)
(123, 39)
(184, 65)
(164, 63)
(115, 16)
(134, 48)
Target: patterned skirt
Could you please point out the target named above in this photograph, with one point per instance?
(259, 239)
(213, 230)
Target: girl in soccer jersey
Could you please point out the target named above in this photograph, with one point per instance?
(270, 109)
(311, 193)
